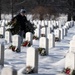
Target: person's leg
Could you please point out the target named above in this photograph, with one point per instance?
(21, 35)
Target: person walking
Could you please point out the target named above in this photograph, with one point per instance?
(19, 23)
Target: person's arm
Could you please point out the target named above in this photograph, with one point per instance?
(25, 19)
(13, 21)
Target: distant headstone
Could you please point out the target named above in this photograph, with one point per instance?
(3, 23)
(2, 54)
(51, 40)
(49, 23)
(32, 59)
(29, 37)
(44, 31)
(43, 43)
(61, 33)
(57, 34)
(65, 31)
(48, 30)
(71, 23)
(67, 24)
(8, 36)
(37, 32)
(8, 71)
(42, 23)
(2, 31)
(46, 22)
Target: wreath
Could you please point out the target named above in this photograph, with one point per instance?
(28, 70)
(26, 43)
(14, 48)
(42, 51)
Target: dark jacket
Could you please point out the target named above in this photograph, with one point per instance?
(20, 24)
(21, 21)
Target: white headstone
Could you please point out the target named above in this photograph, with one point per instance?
(29, 36)
(65, 31)
(73, 38)
(44, 31)
(72, 46)
(16, 41)
(51, 40)
(8, 36)
(67, 24)
(8, 71)
(57, 33)
(72, 23)
(70, 60)
(46, 22)
(49, 24)
(37, 32)
(42, 23)
(43, 43)
(48, 30)
(52, 29)
(61, 33)
(2, 31)
(2, 54)
(32, 58)
(3, 23)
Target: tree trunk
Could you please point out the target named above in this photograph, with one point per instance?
(69, 17)
(12, 8)
(0, 9)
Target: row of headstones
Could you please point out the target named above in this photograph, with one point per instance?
(59, 32)
(44, 31)
(47, 30)
(47, 42)
(50, 23)
(3, 27)
(42, 44)
(17, 42)
(31, 62)
(70, 57)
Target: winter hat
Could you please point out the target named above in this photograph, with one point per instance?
(22, 11)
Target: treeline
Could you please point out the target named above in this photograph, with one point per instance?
(6, 5)
(29, 5)
(41, 7)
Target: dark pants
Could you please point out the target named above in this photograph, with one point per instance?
(21, 33)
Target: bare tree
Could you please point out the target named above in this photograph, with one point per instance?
(0, 9)
(12, 4)
(43, 12)
(15, 3)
